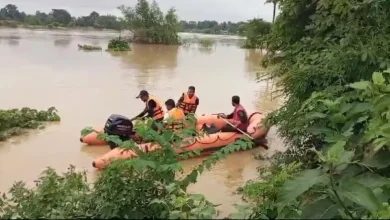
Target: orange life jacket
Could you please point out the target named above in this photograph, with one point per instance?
(188, 104)
(158, 112)
(177, 116)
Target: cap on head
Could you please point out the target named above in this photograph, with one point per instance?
(142, 93)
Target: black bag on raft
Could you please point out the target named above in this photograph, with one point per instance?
(120, 126)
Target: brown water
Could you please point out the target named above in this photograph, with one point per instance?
(40, 69)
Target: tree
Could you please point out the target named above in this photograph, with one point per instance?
(61, 16)
(149, 24)
(11, 12)
(255, 32)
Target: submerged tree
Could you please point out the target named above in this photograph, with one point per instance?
(149, 24)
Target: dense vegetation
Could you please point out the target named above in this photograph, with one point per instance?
(336, 116)
(118, 44)
(14, 121)
(150, 25)
(144, 187)
(212, 27)
(256, 32)
(10, 16)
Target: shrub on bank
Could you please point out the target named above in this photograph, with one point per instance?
(351, 178)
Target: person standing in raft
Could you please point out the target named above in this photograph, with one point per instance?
(239, 117)
(153, 108)
(188, 102)
(175, 116)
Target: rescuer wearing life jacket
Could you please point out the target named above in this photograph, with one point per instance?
(239, 117)
(153, 109)
(188, 102)
(174, 116)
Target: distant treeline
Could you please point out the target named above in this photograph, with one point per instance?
(213, 27)
(12, 17)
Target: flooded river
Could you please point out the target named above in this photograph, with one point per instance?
(40, 69)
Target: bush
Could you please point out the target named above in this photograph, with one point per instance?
(119, 44)
(206, 42)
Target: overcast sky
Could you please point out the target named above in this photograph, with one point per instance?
(219, 10)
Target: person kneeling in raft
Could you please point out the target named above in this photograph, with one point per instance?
(238, 119)
(174, 117)
(152, 110)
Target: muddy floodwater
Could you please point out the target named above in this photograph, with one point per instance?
(40, 69)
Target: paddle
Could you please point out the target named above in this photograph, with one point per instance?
(255, 141)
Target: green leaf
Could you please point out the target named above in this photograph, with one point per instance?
(364, 55)
(301, 183)
(382, 103)
(371, 180)
(314, 115)
(336, 150)
(378, 78)
(359, 107)
(320, 209)
(359, 194)
(362, 85)
(317, 129)
(379, 160)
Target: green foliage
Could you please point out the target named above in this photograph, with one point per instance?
(118, 44)
(256, 31)
(11, 12)
(13, 121)
(88, 47)
(9, 24)
(206, 42)
(143, 187)
(321, 45)
(149, 24)
(10, 16)
(351, 179)
(210, 27)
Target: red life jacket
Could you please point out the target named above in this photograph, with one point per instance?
(236, 118)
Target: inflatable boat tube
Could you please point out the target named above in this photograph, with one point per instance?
(209, 143)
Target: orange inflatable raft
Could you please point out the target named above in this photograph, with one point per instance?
(91, 138)
(209, 143)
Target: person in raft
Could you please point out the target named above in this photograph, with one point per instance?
(175, 114)
(188, 102)
(239, 117)
(153, 108)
